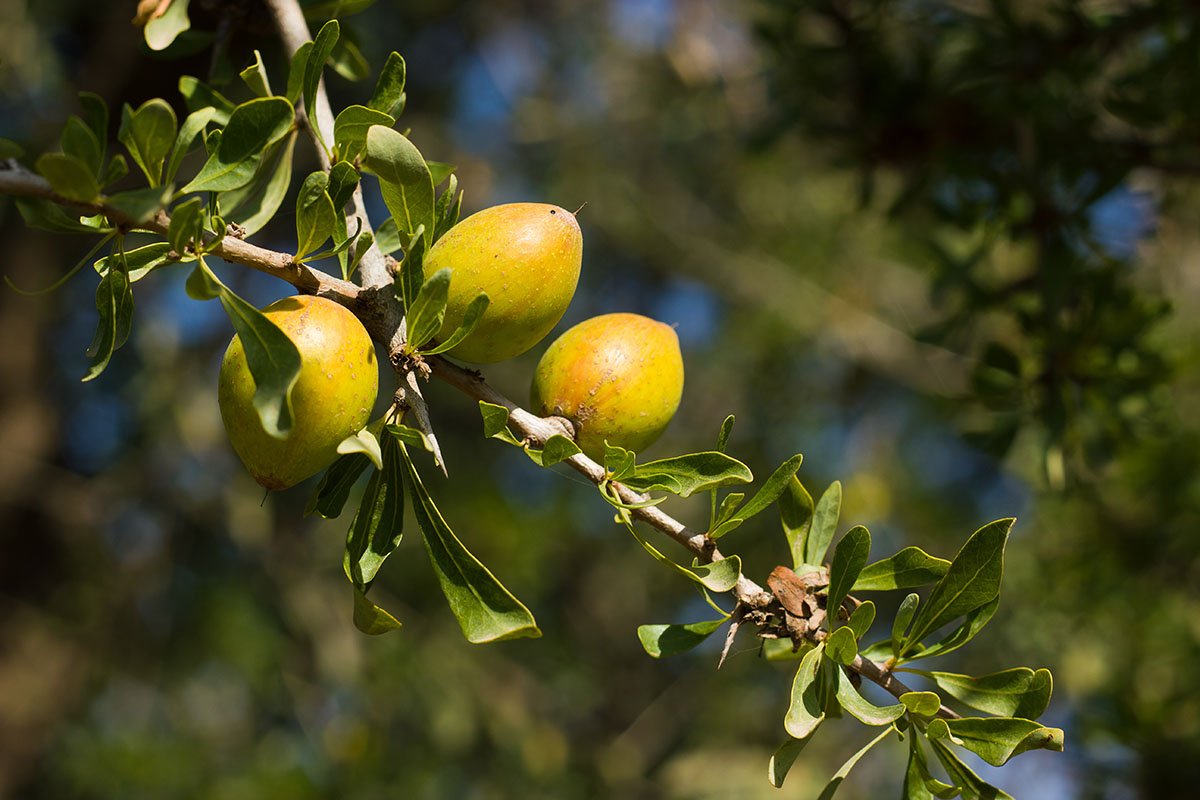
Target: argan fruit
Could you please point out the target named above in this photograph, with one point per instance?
(526, 256)
(617, 377)
(332, 398)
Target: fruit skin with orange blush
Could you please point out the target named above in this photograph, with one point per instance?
(526, 257)
(332, 398)
(617, 377)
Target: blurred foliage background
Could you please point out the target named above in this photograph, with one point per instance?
(947, 250)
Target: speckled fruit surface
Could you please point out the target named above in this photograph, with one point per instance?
(617, 377)
(526, 256)
(332, 398)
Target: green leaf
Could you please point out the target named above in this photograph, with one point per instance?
(139, 262)
(923, 704)
(619, 463)
(315, 216)
(796, 515)
(723, 436)
(148, 134)
(686, 475)
(404, 179)
(831, 788)
(782, 760)
(198, 95)
(439, 171)
(255, 204)
(485, 610)
(919, 784)
(95, 116)
(824, 525)
(861, 619)
(904, 616)
(495, 423)
(970, 785)
(69, 177)
(447, 208)
(322, 47)
(161, 31)
(379, 524)
(719, 576)
(389, 89)
(334, 489)
(140, 205)
(972, 580)
(471, 318)
(272, 357)
(351, 126)
(48, 216)
(79, 141)
(670, 640)
(841, 646)
(412, 273)
(253, 127)
(10, 149)
(729, 507)
(775, 486)
(1017, 692)
(998, 739)
(859, 707)
(343, 180)
(908, 568)
(370, 618)
(428, 309)
(189, 132)
(80, 264)
(556, 449)
(971, 625)
(117, 168)
(849, 557)
(255, 77)
(187, 223)
(348, 61)
(114, 301)
(806, 709)
(410, 436)
(387, 237)
(363, 442)
(296, 70)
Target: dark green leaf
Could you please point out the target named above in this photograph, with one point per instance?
(971, 625)
(387, 237)
(1018, 692)
(187, 222)
(351, 126)
(412, 272)
(824, 525)
(114, 301)
(140, 205)
(404, 179)
(139, 262)
(807, 707)
(972, 581)
(334, 489)
(485, 610)
(189, 132)
(775, 486)
(343, 180)
(428, 309)
(439, 171)
(69, 177)
(255, 77)
(148, 134)
(904, 616)
(253, 127)
(831, 788)
(370, 618)
(970, 785)
(919, 783)
(95, 115)
(116, 169)
(296, 70)
(255, 204)
(48, 216)
(79, 141)
(849, 557)
(796, 515)
(782, 760)
(378, 526)
(410, 436)
(161, 31)
(859, 707)
(315, 216)
(670, 640)
(495, 422)
(908, 568)
(348, 61)
(389, 89)
(686, 475)
(198, 95)
(322, 47)
(471, 318)
(998, 739)
(861, 619)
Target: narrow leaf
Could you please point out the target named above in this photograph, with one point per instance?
(861, 619)
(806, 709)
(775, 486)
(114, 302)
(148, 134)
(831, 788)
(322, 47)
(824, 525)
(909, 568)
(719, 576)
(670, 640)
(970, 785)
(859, 707)
(389, 89)
(315, 216)
(333, 491)
(471, 318)
(782, 760)
(255, 204)
(253, 127)
(378, 526)
(428, 309)
(848, 560)
(686, 475)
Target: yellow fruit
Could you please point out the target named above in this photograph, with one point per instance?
(526, 256)
(617, 377)
(332, 398)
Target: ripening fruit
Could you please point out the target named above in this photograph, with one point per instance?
(332, 398)
(617, 377)
(526, 256)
